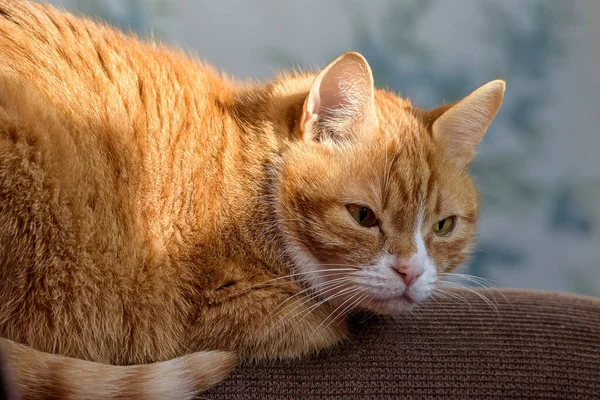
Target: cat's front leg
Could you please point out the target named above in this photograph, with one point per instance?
(277, 319)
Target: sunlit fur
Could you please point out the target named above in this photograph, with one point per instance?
(151, 208)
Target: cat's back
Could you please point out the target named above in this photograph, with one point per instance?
(91, 71)
(104, 112)
(100, 121)
(99, 135)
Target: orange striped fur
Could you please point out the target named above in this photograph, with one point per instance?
(158, 220)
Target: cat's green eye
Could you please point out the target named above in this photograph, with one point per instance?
(444, 226)
(363, 215)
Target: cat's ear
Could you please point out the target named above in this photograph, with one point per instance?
(341, 101)
(461, 126)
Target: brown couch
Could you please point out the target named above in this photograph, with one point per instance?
(525, 345)
(522, 345)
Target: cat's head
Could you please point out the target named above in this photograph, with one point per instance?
(374, 198)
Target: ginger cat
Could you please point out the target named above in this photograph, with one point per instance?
(158, 221)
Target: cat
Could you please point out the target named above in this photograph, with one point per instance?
(159, 220)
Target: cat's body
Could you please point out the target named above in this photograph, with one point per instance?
(145, 203)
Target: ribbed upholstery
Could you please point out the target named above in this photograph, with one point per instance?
(527, 345)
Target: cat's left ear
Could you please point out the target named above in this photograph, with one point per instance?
(460, 128)
(341, 101)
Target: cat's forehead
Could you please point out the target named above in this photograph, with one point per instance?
(409, 184)
(408, 166)
(396, 114)
(417, 181)
(399, 156)
(398, 174)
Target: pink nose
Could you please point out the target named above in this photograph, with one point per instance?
(409, 274)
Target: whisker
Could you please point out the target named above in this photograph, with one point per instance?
(354, 267)
(309, 310)
(312, 287)
(333, 313)
(439, 303)
(451, 296)
(489, 302)
(305, 273)
(352, 306)
(479, 281)
(471, 278)
(368, 316)
(346, 312)
(281, 320)
(313, 296)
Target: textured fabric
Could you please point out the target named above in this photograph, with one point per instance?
(524, 345)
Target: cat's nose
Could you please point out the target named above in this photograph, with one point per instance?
(409, 273)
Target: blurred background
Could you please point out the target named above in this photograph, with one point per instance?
(538, 168)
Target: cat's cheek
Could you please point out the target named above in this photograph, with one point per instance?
(449, 254)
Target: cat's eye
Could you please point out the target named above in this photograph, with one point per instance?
(444, 226)
(363, 215)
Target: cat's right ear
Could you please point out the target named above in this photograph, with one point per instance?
(459, 127)
(341, 101)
